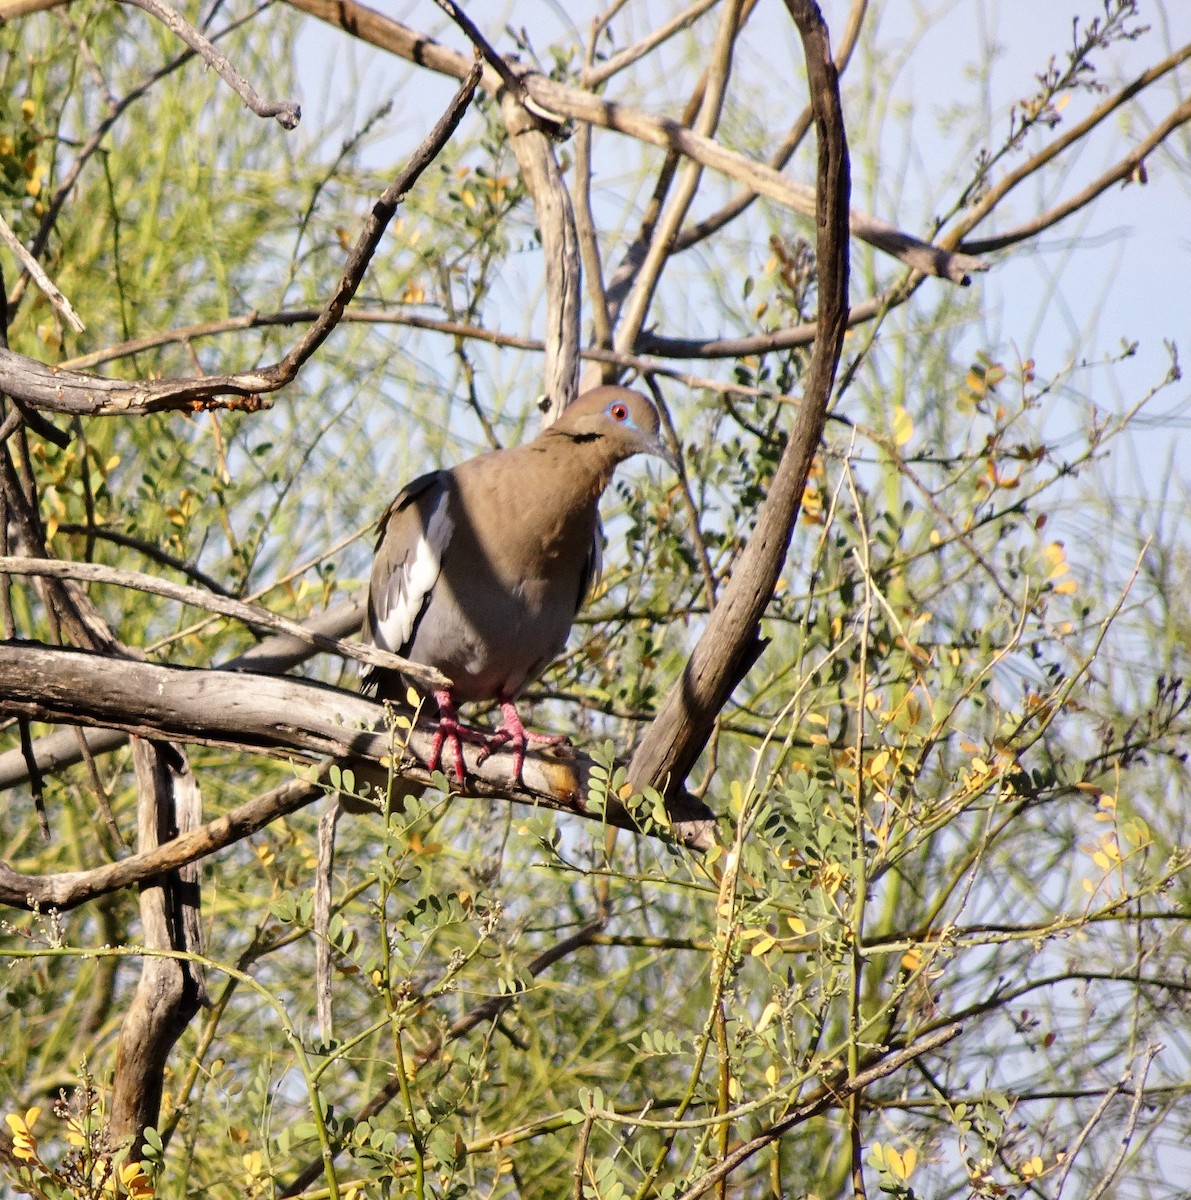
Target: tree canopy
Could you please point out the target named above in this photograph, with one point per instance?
(868, 868)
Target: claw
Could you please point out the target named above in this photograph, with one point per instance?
(513, 732)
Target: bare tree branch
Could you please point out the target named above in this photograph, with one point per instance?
(727, 646)
(594, 76)
(251, 614)
(699, 232)
(370, 26)
(170, 990)
(1117, 173)
(65, 890)
(274, 656)
(66, 391)
(47, 286)
(656, 253)
(285, 718)
(1072, 136)
(287, 113)
(560, 252)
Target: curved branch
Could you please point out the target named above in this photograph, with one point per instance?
(288, 114)
(729, 643)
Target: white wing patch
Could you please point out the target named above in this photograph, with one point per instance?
(419, 573)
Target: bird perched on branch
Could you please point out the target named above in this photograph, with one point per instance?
(480, 569)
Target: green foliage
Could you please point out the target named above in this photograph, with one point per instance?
(949, 792)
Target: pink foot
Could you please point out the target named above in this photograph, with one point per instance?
(451, 729)
(513, 732)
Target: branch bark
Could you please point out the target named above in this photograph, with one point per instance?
(273, 656)
(170, 990)
(560, 252)
(288, 114)
(286, 718)
(729, 642)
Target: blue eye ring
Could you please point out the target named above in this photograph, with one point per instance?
(618, 411)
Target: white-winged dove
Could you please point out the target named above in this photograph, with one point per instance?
(480, 569)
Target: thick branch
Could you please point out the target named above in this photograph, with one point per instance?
(170, 990)
(273, 656)
(282, 717)
(725, 650)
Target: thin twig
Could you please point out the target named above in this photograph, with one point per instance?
(288, 114)
(66, 391)
(225, 606)
(46, 285)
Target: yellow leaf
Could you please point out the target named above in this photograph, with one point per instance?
(136, 1180)
(903, 426)
(910, 1160)
(771, 1075)
(797, 925)
(1066, 588)
(815, 719)
(28, 109)
(1101, 860)
(412, 698)
(893, 1160)
(1055, 558)
(912, 959)
(766, 944)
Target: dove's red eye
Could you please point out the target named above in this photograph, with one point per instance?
(619, 412)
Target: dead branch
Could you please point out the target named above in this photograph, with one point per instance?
(64, 890)
(44, 283)
(728, 644)
(46, 387)
(694, 234)
(288, 114)
(593, 76)
(274, 656)
(170, 991)
(284, 718)
(654, 245)
(370, 26)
